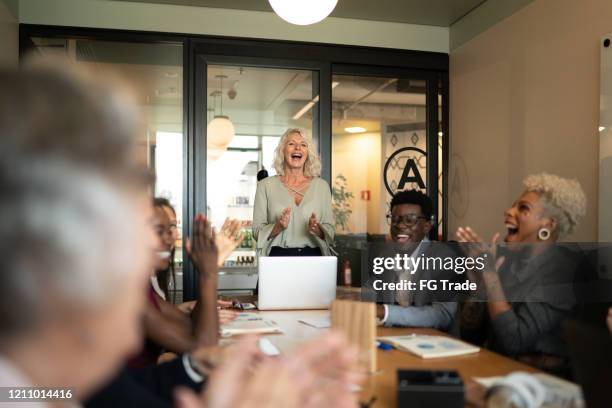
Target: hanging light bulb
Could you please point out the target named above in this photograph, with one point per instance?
(220, 131)
(303, 12)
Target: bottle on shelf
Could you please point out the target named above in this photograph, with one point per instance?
(346, 273)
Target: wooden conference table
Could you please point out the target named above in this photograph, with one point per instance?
(383, 384)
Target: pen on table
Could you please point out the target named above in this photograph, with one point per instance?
(384, 346)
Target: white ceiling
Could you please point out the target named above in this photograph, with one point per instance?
(274, 96)
(426, 12)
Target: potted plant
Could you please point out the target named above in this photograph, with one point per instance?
(341, 206)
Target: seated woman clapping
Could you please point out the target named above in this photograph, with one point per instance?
(166, 226)
(175, 328)
(524, 319)
(166, 326)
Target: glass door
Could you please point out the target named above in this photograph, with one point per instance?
(244, 109)
(385, 138)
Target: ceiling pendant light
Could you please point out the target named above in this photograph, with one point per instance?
(303, 12)
(220, 131)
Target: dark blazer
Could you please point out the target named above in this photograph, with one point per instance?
(428, 308)
(541, 295)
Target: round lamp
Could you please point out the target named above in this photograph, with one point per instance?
(303, 12)
(220, 132)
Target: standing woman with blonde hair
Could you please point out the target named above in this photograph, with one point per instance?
(293, 214)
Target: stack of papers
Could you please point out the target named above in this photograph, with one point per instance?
(430, 346)
(249, 323)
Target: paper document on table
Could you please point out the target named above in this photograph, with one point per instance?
(426, 346)
(249, 323)
(317, 322)
(559, 392)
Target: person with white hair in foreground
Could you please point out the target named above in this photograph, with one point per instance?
(75, 255)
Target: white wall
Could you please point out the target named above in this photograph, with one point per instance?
(225, 22)
(486, 15)
(9, 33)
(358, 158)
(524, 98)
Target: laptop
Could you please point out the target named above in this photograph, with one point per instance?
(591, 357)
(296, 282)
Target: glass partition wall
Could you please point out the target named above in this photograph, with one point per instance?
(155, 73)
(384, 140)
(373, 119)
(378, 128)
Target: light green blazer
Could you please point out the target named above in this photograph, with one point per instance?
(272, 197)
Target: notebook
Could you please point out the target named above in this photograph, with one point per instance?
(249, 323)
(426, 346)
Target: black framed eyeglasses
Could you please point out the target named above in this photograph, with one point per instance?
(408, 219)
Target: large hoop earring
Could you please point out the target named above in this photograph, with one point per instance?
(543, 234)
